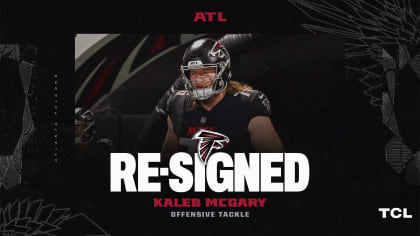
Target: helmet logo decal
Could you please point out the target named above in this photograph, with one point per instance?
(217, 50)
(209, 140)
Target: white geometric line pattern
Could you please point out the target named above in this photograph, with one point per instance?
(11, 166)
(368, 26)
(373, 30)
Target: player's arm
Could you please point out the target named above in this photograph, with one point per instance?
(263, 136)
(170, 145)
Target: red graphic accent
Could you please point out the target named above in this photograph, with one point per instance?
(217, 46)
(220, 17)
(208, 16)
(192, 130)
(199, 16)
(159, 44)
(209, 135)
(204, 157)
(97, 87)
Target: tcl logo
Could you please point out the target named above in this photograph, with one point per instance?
(395, 213)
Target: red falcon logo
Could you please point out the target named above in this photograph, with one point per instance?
(209, 140)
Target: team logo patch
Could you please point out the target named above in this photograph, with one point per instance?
(209, 140)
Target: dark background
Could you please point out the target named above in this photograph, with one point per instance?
(328, 119)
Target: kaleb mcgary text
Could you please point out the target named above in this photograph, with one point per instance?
(262, 172)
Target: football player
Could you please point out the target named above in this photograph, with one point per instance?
(154, 130)
(92, 153)
(213, 102)
(91, 159)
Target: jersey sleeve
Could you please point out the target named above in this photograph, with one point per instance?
(259, 104)
(175, 108)
(162, 105)
(169, 104)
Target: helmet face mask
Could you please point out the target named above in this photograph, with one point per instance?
(199, 57)
(203, 82)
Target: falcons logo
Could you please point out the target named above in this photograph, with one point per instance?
(208, 140)
(217, 50)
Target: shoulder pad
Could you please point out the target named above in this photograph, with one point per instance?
(105, 141)
(175, 96)
(181, 93)
(245, 94)
(176, 101)
(260, 105)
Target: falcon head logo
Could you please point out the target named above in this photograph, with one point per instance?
(216, 50)
(208, 140)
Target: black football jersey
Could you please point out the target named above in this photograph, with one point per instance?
(229, 117)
